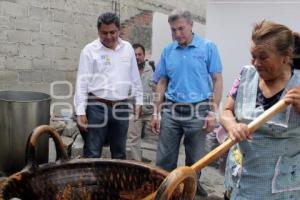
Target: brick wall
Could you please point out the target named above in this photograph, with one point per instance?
(40, 40)
(138, 29)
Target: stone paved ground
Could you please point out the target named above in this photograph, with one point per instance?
(212, 180)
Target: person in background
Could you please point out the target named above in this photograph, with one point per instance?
(266, 163)
(142, 124)
(106, 73)
(190, 84)
(151, 64)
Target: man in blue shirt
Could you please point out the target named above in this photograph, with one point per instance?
(190, 84)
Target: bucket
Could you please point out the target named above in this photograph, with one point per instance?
(21, 112)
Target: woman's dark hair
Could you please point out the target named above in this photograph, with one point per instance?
(108, 18)
(283, 39)
(296, 58)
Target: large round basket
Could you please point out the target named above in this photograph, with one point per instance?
(80, 179)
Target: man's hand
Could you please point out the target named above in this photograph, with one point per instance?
(137, 112)
(155, 124)
(210, 122)
(82, 123)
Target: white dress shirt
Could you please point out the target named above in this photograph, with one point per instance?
(111, 74)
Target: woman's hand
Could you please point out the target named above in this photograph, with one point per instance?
(239, 132)
(293, 97)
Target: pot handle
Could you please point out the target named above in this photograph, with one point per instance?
(61, 154)
(182, 175)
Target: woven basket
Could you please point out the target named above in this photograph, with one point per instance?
(85, 179)
(80, 179)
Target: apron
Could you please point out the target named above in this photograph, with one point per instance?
(267, 167)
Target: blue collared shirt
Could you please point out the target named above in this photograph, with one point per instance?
(189, 69)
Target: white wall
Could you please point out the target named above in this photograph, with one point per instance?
(161, 33)
(229, 25)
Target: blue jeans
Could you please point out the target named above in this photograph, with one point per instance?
(178, 121)
(104, 127)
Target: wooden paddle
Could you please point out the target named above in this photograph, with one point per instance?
(167, 187)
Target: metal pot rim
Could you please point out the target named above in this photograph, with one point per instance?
(23, 96)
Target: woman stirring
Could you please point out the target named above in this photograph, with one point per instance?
(265, 164)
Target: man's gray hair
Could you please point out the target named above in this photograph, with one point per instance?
(180, 13)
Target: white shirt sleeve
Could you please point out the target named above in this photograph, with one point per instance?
(137, 86)
(84, 73)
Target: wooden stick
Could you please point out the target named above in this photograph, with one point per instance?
(150, 196)
(259, 121)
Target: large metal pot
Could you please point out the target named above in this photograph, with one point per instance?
(86, 178)
(21, 111)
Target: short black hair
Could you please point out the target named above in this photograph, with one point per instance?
(138, 45)
(108, 18)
